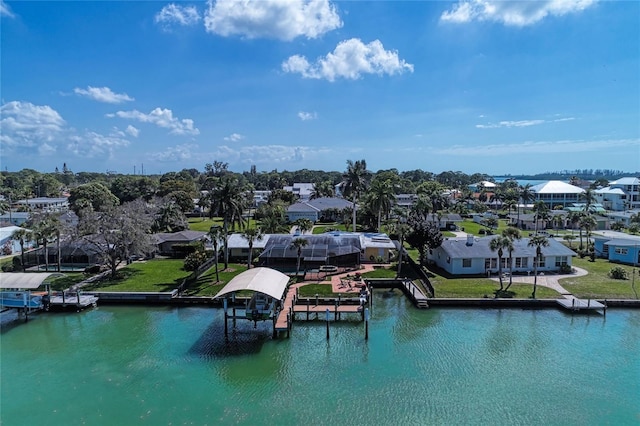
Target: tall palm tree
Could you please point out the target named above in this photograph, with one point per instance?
(526, 195)
(215, 233)
(589, 198)
(21, 236)
(354, 183)
(45, 228)
(588, 223)
(540, 210)
(499, 243)
(323, 189)
(512, 234)
(299, 244)
(538, 242)
(252, 235)
(380, 198)
(229, 199)
(558, 221)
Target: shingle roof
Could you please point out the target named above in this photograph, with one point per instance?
(179, 237)
(457, 248)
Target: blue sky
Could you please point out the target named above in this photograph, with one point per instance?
(477, 86)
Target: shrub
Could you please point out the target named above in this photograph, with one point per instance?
(617, 226)
(194, 260)
(17, 264)
(618, 273)
(565, 269)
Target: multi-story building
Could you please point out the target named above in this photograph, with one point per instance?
(622, 194)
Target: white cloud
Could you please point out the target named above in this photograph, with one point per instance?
(93, 144)
(278, 19)
(173, 14)
(521, 123)
(5, 10)
(103, 94)
(132, 131)
(350, 59)
(544, 147)
(177, 153)
(304, 116)
(234, 137)
(512, 13)
(162, 118)
(24, 124)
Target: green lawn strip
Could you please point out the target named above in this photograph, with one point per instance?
(197, 224)
(158, 275)
(482, 287)
(597, 284)
(321, 229)
(206, 284)
(322, 290)
(471, 227)
(69, 279)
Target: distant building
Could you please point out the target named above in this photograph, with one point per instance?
(302, 190)
(6, 237)
(166, 242)
(45, 204)
(14, 218)
(622, 194)
(484, 185)
(317, 209)
(556, 193)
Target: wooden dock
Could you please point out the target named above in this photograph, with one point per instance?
(72, 300)
(575, 304)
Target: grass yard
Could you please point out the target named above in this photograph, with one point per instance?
(321, 229)
(69, 279)
(471, 227)
(322, 290)
(158, 275)
(206, 284)
(197, 224)
(597, 284)
(482, 287)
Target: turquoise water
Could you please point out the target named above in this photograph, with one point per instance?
(162, 365)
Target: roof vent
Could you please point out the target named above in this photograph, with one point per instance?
(469, 239)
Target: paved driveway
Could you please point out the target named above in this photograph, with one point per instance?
(550, 281)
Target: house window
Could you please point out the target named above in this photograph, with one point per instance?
(540, 261)
(244, 250)
(522, 262)
(622, 251)
(466, 263)
(505, 262)
(491, 263)
(561, 261)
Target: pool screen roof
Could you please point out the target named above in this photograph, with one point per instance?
(263, 280)
(319, 247)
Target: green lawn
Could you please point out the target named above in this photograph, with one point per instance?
(597, 284)
(206, 284)
(471, 227)
(322, 290)
(320, 229)
(153, 275)
(197, 224)
(69, 279)
(482, 287)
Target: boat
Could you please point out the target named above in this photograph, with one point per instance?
(260, 307)
(20, 299)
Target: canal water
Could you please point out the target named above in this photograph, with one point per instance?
(164, 365)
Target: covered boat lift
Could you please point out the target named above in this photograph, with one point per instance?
(16, 288)
(268, 287)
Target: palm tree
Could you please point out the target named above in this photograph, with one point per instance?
(21, 236)
(526, 195)
(252, 235)
(304, 225)
(380, 198)
(354, 183)
(558, 221)
(216, 235)
(323, 189)
(589, 198)
(538, 242)
(588, 223)
(498, 244)
(540, 210)
(512, 234)
(298, 244)
(230, 201)
(45, 228)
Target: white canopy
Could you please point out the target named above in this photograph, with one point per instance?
(263, 280)
(24, 280)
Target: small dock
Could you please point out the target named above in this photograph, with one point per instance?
(574, 304)
(71, 300)
(408, 287)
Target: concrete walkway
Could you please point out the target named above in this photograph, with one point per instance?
(549, 281)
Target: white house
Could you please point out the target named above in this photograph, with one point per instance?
(302, 190)
(622, 194)
(45, 204)
(472, 256)
(555, 192)
(485, 184)
(6, 237)
(317, 209)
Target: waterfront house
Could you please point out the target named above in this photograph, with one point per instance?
(238, 246)
(472, 256)
(620, 248)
